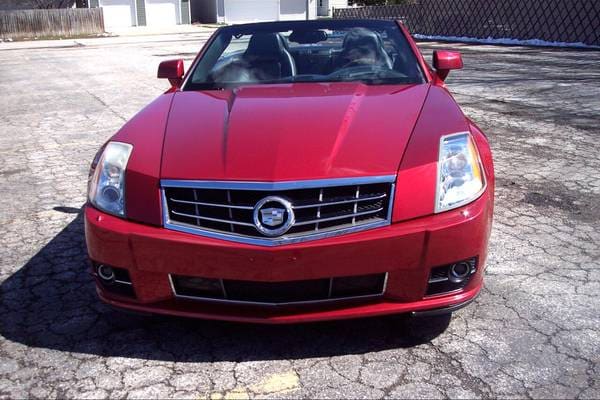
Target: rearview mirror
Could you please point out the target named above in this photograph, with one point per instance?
(173, 71)
(308, 36)
(444, 61)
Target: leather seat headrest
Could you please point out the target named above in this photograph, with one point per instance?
(265, 44)
(359, 37)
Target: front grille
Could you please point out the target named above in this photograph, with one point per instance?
(318, 208)
(273, 293)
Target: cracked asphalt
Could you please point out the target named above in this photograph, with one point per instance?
(533, 332)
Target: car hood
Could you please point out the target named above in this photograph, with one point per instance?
(290, 132)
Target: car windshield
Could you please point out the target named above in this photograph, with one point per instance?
(371, 52)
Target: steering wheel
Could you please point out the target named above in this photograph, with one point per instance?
(354, 68)
(360, 62)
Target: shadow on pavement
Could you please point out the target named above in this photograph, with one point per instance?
(51, 303)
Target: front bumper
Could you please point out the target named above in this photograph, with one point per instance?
(406, 251)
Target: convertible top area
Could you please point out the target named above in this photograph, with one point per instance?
(275, 26)
(368, 51)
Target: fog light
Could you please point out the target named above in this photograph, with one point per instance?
(106, 273)
(459, 272)
(451, 277)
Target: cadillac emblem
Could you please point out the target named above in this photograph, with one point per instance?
(273, 216)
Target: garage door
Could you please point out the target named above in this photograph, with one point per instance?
(162, 12)
(118, 13)
(292, 10)
(239, 11)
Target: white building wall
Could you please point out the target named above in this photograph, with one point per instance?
(220, 11)
(230, 11)
(292, 9)
(325, 7)
(338, 3)
(312, 9)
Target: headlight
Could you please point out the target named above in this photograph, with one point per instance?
(460, 177)
(106, 189)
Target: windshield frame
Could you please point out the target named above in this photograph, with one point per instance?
(280, 26)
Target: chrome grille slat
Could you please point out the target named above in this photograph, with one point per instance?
(356, 204)
(334, 203)
(230, 207)
(225, 221)
(346, 216)
(319, 208)
(296, 207)
(200, 203)
(196, 207)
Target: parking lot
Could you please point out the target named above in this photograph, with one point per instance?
(533, 332)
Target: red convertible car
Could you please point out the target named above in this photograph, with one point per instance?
(298, 171)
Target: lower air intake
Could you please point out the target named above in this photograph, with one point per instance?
(289, 292)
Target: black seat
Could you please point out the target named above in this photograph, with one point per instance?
(268, 57)
(363, 47)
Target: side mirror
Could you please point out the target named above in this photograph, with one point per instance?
(444, 61)
(171, 70)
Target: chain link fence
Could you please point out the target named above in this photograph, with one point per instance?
(569, 21)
